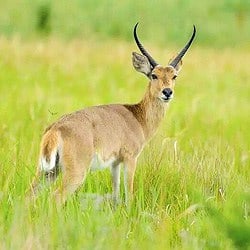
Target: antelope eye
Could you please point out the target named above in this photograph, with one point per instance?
(174, 77)
(154, 77)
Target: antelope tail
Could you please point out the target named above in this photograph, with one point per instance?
(50, 151)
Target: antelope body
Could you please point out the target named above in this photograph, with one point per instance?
(108, 135)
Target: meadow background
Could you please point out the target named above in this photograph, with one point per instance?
(192, 185)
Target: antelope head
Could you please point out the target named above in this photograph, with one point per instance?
(162, 79)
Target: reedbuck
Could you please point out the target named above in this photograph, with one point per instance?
(108, 135)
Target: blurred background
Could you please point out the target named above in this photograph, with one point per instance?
(220, 23)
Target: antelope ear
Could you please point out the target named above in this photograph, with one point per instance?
(178, 67)
(141, 64)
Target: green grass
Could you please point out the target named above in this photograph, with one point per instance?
(192, 181)
(219, 22)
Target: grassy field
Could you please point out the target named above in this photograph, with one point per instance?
(192, 182)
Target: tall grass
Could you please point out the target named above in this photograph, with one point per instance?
(192, 180)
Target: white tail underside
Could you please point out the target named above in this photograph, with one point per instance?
(48, 166)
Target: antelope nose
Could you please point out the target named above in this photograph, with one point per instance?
(167, 92)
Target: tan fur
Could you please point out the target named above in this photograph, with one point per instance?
(49, 143)
(114, 131)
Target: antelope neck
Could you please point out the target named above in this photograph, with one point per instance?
(149, 112)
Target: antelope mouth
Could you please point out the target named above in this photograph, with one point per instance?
(166, 99)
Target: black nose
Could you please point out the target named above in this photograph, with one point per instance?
(167, 92)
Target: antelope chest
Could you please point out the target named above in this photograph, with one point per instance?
(97, 163)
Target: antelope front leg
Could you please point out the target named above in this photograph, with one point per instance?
(115, 171)
(129, 172)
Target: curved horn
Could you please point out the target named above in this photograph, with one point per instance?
(143, 51)
(184, 50)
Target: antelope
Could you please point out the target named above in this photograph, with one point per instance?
(108, 135)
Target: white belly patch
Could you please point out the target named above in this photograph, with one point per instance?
(97, 163)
